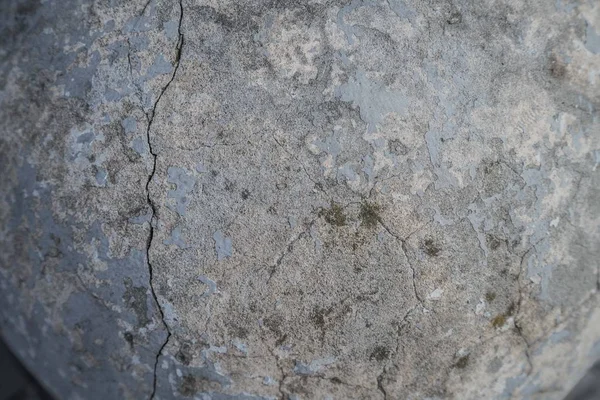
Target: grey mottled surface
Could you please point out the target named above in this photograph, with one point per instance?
(301, 199)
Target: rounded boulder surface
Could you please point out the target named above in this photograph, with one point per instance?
(314, 199)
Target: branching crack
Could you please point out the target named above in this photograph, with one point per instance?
(203, 146)
(138, 89)
(281, 382)
(517, 174)
(517, 323)
(412, 269)
(402, 241)
(318, 185)
(129, 59)
(150, 119)
(145, 7)
(288, 248)
(527, 347)
(520, 276)
(282, 373)
(401, 325)
(380, 384)
(405, 251)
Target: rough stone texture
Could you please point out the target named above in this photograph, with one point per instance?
(301, 199)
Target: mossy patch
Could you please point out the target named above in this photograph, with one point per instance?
(493, 242)
(185, 354)
(129, 338)
(318, 316)
(369, 214)
(431, 248)
(274, 323)
(334, 215)
(462, 362)
(359, 239)
(380, 353)
(236, 330)
(135, 298)
(281, 340)
(511, 309)
(490, 296)
(499, 321)
(189, 386)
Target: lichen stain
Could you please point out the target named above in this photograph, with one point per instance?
(190, 385)
(369, 214)
(318, 316)
(135, 297)
(493, 242)
(556, 67)
(430, 247)
(499, 321)
(462, 362)
(333, 215)
(380, 353)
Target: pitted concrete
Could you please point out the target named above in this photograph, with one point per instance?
(301, 200)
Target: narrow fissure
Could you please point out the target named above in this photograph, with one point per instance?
(150, 119)
(518, 327)
(380, 385)
(405, 251)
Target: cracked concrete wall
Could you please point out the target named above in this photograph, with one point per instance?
(318, 199)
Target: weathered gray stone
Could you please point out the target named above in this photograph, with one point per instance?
(301, 199)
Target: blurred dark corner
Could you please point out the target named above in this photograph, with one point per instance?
(588, 387)
(17, 384)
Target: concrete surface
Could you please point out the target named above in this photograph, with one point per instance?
(301, 199)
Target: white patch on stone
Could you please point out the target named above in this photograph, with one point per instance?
(267, 380)
(436, 294)
(240, 346)
(212, 286)
(480, 308)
